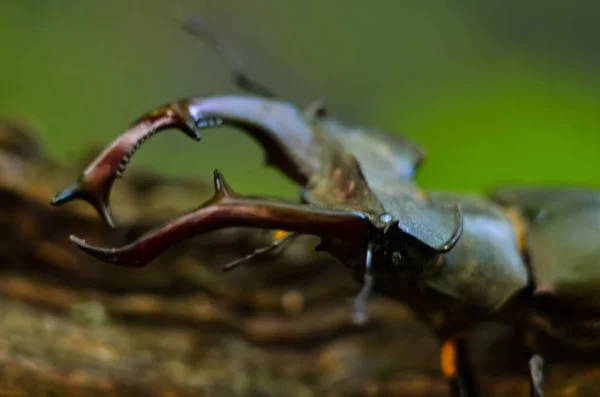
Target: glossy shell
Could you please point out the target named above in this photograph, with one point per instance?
(373, 172)
(563, 241)
(391, 157)
(485, 267)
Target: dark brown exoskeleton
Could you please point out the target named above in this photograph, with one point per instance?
(523, 256)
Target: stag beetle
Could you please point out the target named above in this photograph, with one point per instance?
(525, 256)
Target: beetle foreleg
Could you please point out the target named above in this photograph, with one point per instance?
(536, 376)
(454, 358)
(359, 314)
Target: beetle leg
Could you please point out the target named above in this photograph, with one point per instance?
(226, 209)
(454, 358)
(536, 376)
(281, 238)
(359, 314)
(198, 28)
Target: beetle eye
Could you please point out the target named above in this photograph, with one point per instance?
(397, 259)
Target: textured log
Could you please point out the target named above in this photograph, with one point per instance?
(276, 326)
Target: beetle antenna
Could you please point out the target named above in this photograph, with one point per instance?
(259, 252)
(359, 315)
(198, 28)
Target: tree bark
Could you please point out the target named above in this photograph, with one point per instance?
(276, 326)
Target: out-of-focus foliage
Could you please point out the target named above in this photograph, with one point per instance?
(494, 91)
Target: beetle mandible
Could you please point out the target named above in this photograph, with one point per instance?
(521, 255)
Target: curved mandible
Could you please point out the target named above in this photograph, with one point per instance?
(95, 182)
(277, 126)
(226, 209)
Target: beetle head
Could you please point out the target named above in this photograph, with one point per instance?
(395, 251)
(401, 252)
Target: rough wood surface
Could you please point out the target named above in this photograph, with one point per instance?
(280, 326)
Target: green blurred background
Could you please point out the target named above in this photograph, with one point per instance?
(493, 91)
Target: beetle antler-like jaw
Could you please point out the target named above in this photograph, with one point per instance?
(227, 209)
(96, 181)
(278, 126)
